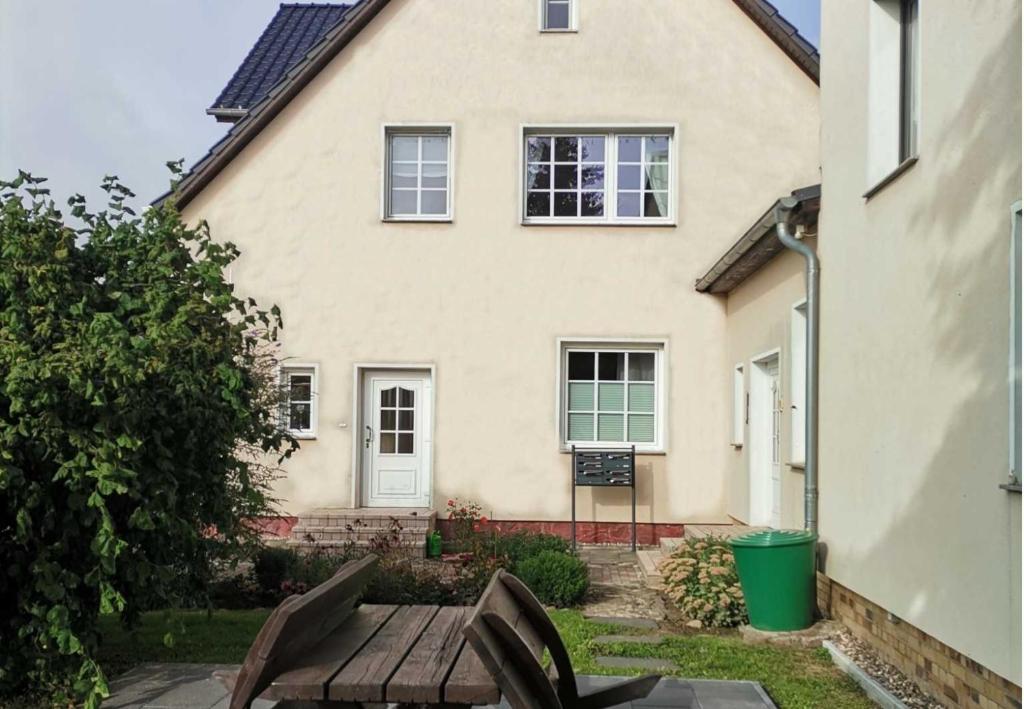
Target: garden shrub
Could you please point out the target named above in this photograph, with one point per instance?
(273, 566)
(521, 545)
(556, 578)
(700, 576)
(138, 425)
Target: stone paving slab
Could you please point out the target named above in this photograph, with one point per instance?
(181, 685)
(652, 639)
(642, 623)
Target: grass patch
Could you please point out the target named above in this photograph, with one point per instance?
(220, 636)
(795, 678)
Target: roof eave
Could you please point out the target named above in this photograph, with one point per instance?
(227, 115)
(759, 239)
(256, 118)
(784, 35)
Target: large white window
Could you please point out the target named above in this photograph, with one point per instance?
(739, 405)
(595, 177)
(798, 383)
(417, 184)
(557, 15)
(611, 395)
(299, 407)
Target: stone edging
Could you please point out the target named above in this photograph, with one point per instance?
(875, 691)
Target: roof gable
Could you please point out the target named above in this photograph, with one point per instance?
(292, 31)
(287, 84)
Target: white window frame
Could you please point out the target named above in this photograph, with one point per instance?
(611, 132)
(573, 16)
(415, 129)
(312, 370)
(590, 344)
(739, 418)
(798, 384)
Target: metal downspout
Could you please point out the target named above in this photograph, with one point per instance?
(785, 210)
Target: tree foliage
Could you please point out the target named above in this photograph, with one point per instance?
(138, 424)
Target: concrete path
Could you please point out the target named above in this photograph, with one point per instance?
(181, 686)
(617, 587)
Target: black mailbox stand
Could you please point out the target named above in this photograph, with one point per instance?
(600, 467)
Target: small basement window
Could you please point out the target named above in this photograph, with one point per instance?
(299, 405)
(557, 15)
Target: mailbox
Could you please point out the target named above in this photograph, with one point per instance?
(600, 467)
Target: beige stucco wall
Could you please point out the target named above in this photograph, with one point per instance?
(914, 346)
(483, 299)
(760, 321)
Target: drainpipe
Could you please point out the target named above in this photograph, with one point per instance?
(785, 211)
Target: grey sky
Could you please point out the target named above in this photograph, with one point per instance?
(121, 86)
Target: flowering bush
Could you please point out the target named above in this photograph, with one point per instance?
(467, 521)
(700, 576)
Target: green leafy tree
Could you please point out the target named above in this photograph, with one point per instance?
(138, 425)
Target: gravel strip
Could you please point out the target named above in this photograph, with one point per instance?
(883, 673)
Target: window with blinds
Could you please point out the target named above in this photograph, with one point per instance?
(611, 396)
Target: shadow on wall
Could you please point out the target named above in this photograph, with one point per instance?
(972, 527)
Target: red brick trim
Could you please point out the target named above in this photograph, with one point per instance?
(647, 533)
(275, 526)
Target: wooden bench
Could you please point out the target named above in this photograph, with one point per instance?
(509, 629)
(295, 627)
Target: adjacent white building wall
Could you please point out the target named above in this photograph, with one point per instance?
(914, 332)
(483, 298)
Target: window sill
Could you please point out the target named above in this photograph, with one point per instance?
(891, 177)
(797, 464)
(302, 436)
(597, 222)
(1011, 487)
(639, 451)
(417, 220)
(557, 30)
(737, 446)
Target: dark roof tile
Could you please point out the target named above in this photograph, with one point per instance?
(293, 30)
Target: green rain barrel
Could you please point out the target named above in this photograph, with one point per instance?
(776, 569)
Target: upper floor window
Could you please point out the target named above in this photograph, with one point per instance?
(299, 408)
(557, 15)
(593, 177)
(893, 90)
(417, 184)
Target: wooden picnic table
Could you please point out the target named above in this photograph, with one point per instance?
(385, 653)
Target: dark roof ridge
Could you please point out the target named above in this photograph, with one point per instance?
(766, 16)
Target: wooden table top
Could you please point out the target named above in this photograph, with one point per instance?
(406, 654)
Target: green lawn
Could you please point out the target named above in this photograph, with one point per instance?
(795, 678)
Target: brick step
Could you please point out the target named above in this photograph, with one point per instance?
(649, 560)
(361, 534)
(408, 548)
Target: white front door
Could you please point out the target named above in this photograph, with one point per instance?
(396, 439)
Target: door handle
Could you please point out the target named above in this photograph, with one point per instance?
(369, 436)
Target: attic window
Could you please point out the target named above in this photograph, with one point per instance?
(558, 15)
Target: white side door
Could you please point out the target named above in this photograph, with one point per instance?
(774, 439)
(396, 439)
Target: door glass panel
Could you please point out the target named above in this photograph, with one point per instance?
(405, 420)
(387, 397)
(387, 420)
(405, 442)
(406, 398)
(387, 443)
